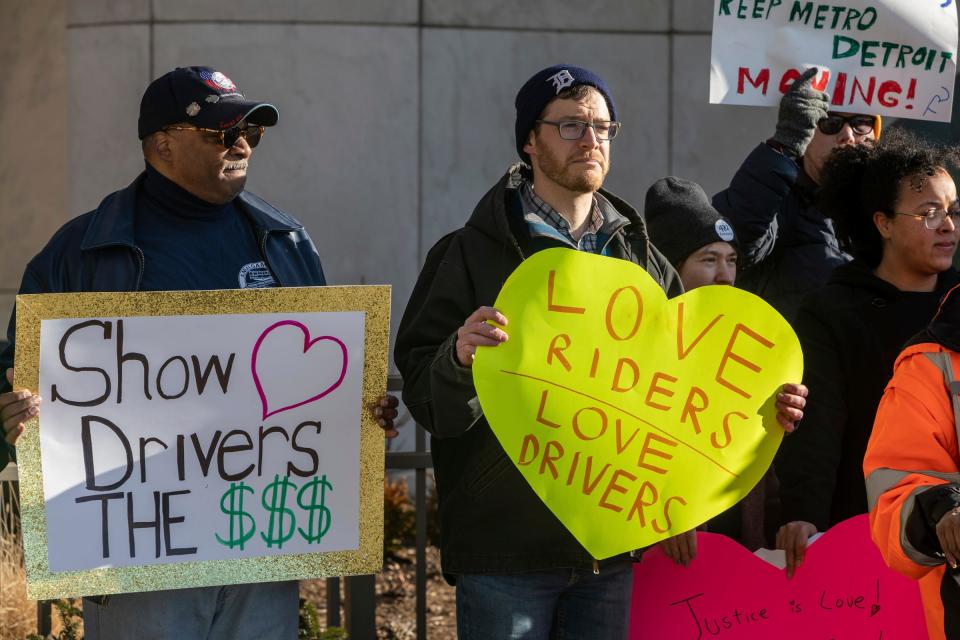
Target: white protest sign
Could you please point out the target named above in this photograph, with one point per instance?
(192, 438)
(887, 57)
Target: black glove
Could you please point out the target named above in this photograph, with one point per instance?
(801, 108)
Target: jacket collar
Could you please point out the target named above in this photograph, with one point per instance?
(113, 220)
(264, 215)
(944, 329)
(491, 217)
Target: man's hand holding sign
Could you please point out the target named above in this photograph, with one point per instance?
(16, 408)
(632, 417)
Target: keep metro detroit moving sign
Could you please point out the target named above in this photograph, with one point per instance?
(192, 436)
(888, 57)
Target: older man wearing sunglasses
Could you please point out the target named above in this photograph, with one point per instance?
(788, 248)
(185, 223)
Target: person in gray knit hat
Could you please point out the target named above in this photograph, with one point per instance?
(699, 242)
(702, 246)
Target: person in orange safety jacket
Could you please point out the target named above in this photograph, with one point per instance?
(912, 468)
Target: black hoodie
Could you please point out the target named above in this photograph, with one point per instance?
(491, 521)
(851, 332)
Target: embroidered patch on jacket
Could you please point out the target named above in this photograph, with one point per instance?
(256, 275)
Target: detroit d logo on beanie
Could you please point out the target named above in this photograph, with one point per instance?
(561, 80)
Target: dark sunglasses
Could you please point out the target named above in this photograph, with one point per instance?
(833, 123)
(229, 137)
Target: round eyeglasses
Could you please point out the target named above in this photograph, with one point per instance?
(933, 219)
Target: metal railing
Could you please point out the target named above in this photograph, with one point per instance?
(360, 604)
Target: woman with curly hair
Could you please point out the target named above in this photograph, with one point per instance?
(895, 209)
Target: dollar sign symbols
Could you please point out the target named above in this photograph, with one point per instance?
(277, 508)
(239, 534)
(323, 517)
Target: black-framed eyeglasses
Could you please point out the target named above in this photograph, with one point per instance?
(833, 123)
(575, 129)
(229, 137)
(933, 219)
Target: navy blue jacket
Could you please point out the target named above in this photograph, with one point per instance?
(96, 252)
(788, 248)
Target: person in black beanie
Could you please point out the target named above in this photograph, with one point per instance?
(518, 571)
(699, 242)
(702, 247)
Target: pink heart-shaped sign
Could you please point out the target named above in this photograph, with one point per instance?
(843, 590)
(281, 335)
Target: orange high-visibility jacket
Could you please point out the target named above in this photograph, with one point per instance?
(913, 448)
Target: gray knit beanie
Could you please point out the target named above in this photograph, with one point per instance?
(681, 220)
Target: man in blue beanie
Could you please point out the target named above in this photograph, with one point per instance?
(518, 571)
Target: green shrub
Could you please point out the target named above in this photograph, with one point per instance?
(72, 618)
(399, 517)
(310, 625)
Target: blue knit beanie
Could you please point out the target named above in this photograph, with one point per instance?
(536, 94)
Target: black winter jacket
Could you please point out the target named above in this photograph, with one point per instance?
(96, 252)
(788, 248)
(491, 521)
(851, 332)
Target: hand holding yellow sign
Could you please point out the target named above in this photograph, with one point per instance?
(634, 418)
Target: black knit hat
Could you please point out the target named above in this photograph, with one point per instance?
(538, 91)
(681, 220)
(201, 96)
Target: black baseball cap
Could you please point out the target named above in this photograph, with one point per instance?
(202, 96)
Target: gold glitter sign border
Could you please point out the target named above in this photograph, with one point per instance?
(42, 584)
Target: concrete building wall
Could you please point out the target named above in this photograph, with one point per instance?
(34, 146)
(396, 115)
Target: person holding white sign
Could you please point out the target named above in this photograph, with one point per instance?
(788, 247)
(186, 223)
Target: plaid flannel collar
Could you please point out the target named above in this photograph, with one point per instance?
(536, 212)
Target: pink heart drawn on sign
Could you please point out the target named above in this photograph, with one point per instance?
(307, 345)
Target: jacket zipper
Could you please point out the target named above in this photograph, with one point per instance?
(596, 568)
(143, 266)
(266, 261)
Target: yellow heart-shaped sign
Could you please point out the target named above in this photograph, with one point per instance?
(634, 418)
